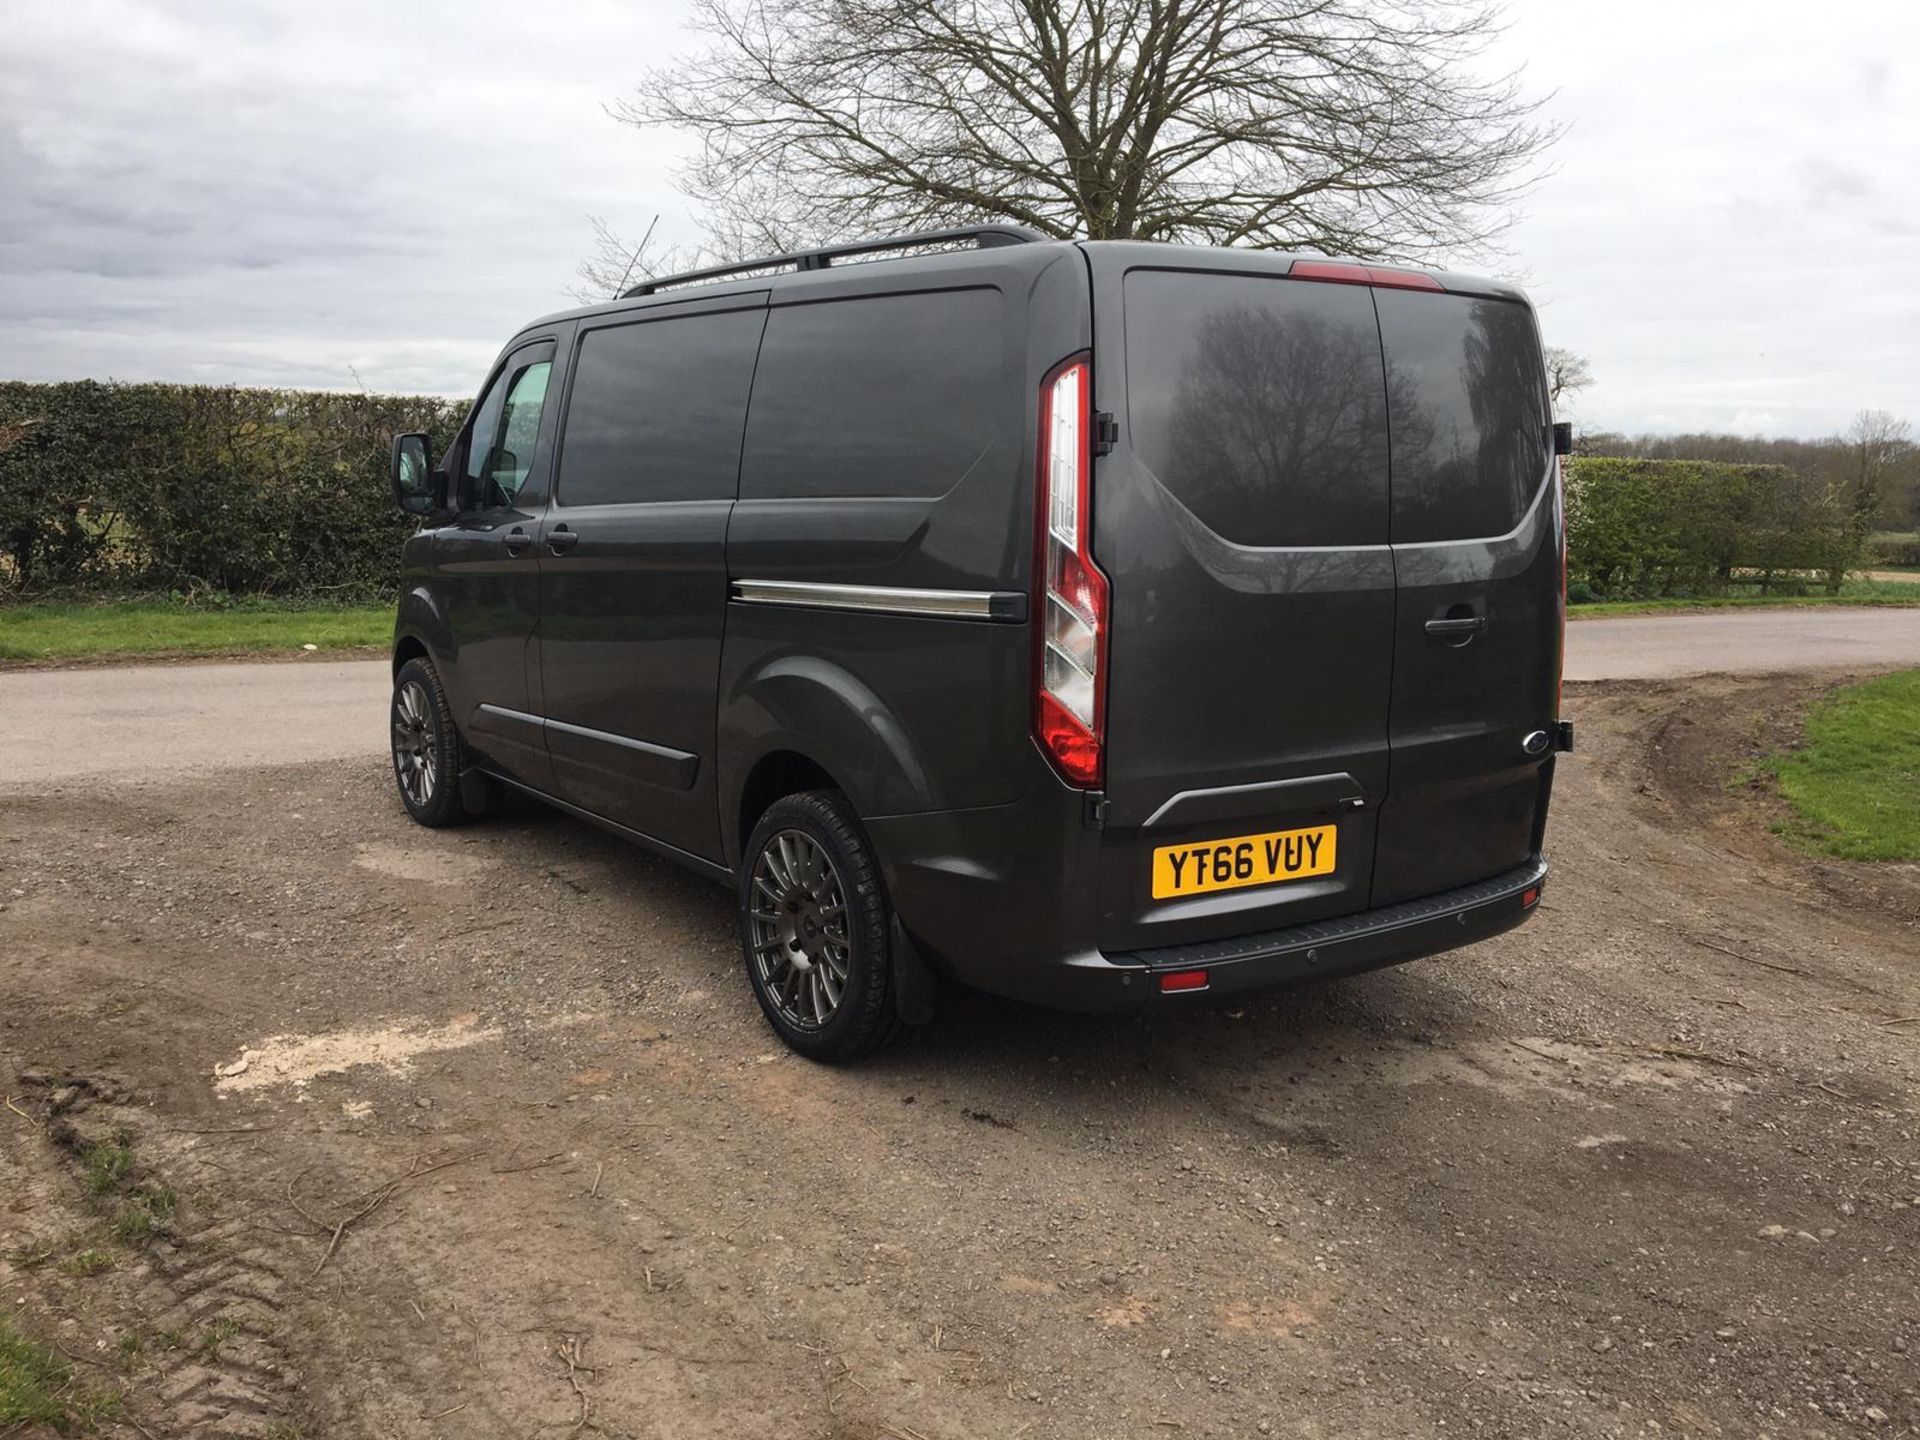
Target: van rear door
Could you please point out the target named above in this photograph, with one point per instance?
(1242, 522)
(1476, 531)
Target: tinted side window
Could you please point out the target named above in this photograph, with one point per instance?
(1258, 402)
(1468, 398)
(879, 395)
(656, 410)
(501, 439)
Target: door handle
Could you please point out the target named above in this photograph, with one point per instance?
(560, 540)
(1458, 628)
(517, 540)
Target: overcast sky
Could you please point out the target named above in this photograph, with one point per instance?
(289, 193)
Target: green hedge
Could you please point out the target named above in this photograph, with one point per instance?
(192, 488)
(284, 492)
(1646, 528)
(1894, 550)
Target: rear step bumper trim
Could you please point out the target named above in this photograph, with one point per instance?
(1353, 943)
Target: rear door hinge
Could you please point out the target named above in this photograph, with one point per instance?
(1095, 815)
(1106, 432)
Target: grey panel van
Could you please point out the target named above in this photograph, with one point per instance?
(1107, 625)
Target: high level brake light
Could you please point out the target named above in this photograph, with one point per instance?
(1346, 272)
(1070, 593)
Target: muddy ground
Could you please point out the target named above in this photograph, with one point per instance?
(506, 1150)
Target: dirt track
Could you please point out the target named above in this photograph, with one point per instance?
(1646, 1166)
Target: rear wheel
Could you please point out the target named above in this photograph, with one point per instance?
(427, 755)
(813, 925)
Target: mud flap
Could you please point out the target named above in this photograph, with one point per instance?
(916, 990)
(479, 792)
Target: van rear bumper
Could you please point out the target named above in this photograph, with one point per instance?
(1005, 898)
(1348, 945)
(1271, 959)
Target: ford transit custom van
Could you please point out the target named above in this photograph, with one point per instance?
(1105, 624)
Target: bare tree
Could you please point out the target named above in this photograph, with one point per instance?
(1879, 446)
(1567, 373)
(1361, 127)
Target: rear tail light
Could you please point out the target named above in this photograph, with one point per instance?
(1070, 593)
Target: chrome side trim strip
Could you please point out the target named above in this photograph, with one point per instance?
(624, 742)
(1007, 606)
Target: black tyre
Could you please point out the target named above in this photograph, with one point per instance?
(427, 758)
(813, 924)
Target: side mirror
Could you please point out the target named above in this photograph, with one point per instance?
(416, 488)
(1563, 437)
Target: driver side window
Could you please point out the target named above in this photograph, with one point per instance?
(506, 427)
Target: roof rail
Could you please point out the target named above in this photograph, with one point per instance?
(984, 237)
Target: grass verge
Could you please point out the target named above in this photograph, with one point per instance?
(1856, 780)
(39, 1391)
(48, 631)
(1853, 592)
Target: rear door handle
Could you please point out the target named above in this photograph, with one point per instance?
(517, 540)
(1466, 625)
(560, 539)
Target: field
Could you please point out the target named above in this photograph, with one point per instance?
(1856, 779)
(118, 629)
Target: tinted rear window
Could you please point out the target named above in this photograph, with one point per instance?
(1259, 403)
(1467, 393)
(657, 409)
(880, 395)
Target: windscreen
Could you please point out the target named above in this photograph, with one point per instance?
(1259, 403)
(1467, 400)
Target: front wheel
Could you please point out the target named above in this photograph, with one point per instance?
(426, 747)
(813, 924)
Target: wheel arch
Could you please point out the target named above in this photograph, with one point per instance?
(774, 776)
(408, 647)
(798, 721)
(419, 629)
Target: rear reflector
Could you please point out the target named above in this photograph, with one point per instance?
(1175, 980)
(1526, 900)
(1344, 272)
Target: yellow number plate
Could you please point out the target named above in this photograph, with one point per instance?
(1242, 860)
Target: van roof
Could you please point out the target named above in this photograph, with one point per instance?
(929, 250)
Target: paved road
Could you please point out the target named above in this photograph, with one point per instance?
(1741, 642)
(70, 724)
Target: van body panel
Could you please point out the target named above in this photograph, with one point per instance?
(1477, 533)
(630, 655)
(1240, 662)
(889, 446)
(906, 713)
(1003, 897)
(632, 559)
(486, 581)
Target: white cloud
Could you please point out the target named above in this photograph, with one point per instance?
(273, 193)
(1729, 232)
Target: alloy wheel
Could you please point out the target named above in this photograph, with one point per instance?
(800, 942)
(414, 761)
